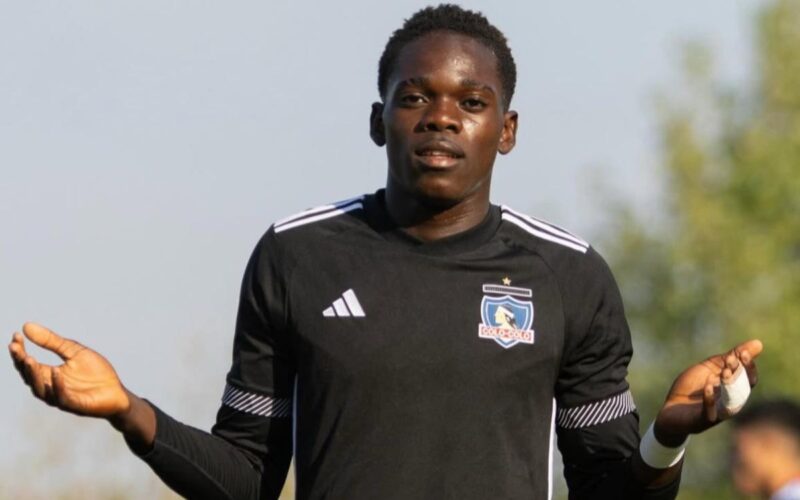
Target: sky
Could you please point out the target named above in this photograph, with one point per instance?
(146, 146)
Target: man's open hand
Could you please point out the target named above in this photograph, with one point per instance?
(85, 384)
(693, 403)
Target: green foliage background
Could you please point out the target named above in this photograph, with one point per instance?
(722, 263)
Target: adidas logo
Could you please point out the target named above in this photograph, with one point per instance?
(345, 306)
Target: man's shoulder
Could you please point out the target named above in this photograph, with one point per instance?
(540, 236)
(569, 256)
(305, 234)
(323, 221)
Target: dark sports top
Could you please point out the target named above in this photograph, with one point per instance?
(397, 369)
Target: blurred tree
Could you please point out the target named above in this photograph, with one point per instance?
(722, 262)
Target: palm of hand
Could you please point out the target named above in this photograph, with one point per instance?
(88, 384)
(85, 384)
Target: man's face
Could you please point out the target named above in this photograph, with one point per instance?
(747, 461)
(443, 120)
(764, 457)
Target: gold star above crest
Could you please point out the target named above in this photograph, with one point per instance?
(506, 281)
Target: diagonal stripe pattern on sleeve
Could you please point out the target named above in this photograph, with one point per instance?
(596, 413)
(256, 404)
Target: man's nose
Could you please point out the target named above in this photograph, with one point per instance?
(441, 115)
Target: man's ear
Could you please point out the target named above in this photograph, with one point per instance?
(376, 129)
(508, 139)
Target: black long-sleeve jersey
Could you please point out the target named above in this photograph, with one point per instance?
(392, 368)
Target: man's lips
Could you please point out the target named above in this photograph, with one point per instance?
(439, 148)
(439, 153)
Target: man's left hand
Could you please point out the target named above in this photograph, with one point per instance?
(694, 401)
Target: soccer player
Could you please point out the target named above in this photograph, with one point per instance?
(420, 341)
(766, 450)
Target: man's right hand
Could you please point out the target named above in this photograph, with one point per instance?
(85, 384)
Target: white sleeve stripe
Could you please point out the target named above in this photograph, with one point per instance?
(256, 404)
(261, 406)
(550, 228)
(244, 401)
(316, 210)
(611, 410)
(541, 234)
(586, 413)
(598, 412)
(233, 398)
(325, 215)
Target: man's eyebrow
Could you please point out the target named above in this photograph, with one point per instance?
(474, 84)
(466, 83)
(414, 81)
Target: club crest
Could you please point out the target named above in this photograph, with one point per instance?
(505, 319)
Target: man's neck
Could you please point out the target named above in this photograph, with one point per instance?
(429, 221)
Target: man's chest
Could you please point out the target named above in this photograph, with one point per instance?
(372, 318)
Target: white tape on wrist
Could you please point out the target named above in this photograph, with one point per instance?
(658, 456)
(733, 396)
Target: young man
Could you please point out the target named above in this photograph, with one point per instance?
(766, 450)
(419, 342)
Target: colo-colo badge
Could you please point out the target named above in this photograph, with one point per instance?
(506, 319)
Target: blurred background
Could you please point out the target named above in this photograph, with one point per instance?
(145, 147)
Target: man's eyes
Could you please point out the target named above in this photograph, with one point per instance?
(412, 99)
(473, 104)
(469, 104)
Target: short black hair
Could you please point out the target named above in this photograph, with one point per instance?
(449, 17)
(780, 413)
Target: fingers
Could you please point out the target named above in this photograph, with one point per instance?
(39, 379)
(747, 352)
(58, 391)
(750, 367)
(26, 365)
(709, 399)
(743, 354)
(18, 354)
(47, 339)
(753, 347)
(732, 364)
(34, 374)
